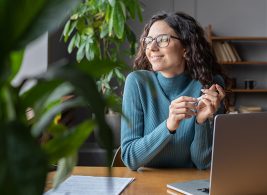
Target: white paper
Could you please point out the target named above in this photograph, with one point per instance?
(86, 185)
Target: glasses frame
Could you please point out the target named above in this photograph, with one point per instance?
(155, 38)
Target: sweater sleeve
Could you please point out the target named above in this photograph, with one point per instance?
(138, 149)
(201, 147)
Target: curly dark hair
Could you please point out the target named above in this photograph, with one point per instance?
(200, 61)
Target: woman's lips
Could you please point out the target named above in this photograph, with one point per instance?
(156, 57)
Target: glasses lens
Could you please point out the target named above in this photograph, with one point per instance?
(147, 41)
(163, 40)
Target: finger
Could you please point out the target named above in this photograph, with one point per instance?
(212, 87)
(185, 99)
(221, 91)
(186, 111)
(189, 105)
(204, 102)
(211, 91)
(212, 98)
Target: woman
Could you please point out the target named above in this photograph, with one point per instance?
(166, 125)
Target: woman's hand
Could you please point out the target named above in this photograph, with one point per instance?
(179, 109)
(210, 102)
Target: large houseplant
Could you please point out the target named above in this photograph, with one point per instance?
(99, 29)
(24, 158)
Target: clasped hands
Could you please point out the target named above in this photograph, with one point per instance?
(186, 107)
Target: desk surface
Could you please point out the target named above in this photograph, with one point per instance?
(147, 180)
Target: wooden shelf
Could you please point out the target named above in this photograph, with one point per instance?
(237, 38)
(249, 90)
(245, 63)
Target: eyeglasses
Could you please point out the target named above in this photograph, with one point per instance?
(162, 40)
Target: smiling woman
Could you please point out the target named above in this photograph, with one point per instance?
(168, 128)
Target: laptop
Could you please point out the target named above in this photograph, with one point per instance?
(239, 158)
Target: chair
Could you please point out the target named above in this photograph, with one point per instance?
(117, 162)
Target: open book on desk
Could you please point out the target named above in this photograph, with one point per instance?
(81, 185)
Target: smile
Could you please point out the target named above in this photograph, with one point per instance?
(154, 58)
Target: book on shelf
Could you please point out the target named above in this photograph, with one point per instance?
(218, 48)
(235, 53)
(230, 51)
(225, 52)
(250, 109)
(217, 52)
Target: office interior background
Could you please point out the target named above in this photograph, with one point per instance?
(228, 18)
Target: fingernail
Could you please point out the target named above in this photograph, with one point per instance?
(202, 90)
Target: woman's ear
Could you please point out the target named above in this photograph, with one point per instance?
(184, 53)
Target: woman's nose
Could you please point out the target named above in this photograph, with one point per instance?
(153, 46)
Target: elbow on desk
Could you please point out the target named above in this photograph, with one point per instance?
(130, 165)
(202, 165)
(130, 162)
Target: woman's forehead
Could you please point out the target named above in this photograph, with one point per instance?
(160, 27)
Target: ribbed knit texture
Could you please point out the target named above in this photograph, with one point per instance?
(145, 139)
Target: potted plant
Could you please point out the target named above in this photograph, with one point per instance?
(24, 158)
(97, 30)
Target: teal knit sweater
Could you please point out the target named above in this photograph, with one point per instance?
(145, 139)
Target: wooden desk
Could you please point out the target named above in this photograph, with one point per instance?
(147, 180)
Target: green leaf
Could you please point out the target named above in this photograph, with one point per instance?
(119, 75)
(28, 20)
(64, 168)
(85, 87)
(39, 93)
(9, 97)
(130, 5)
(23, 164)
(74, 16)
(71, 44)
(16, 58)
(77, 40)
(103, 30)
(123, 9)
(81, 52)
(89, 52)
(69, 142)
(131, 39)
(112, 2)
(109, 76)
(118, 20)
(72, 27)
(103, 67)
(139, 11)
(66, 30)
(48, 117)
(88, 31)
(111, 22)
(59, 92)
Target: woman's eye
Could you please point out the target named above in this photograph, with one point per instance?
(163, 39)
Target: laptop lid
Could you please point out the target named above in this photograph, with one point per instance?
(239, 159)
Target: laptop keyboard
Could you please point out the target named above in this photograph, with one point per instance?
(205, 190)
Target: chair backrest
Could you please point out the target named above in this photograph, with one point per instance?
(117, 162)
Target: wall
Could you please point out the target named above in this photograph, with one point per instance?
(34, 61)
(229, 18)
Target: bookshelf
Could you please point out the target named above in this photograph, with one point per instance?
(229, 56)
(236, 60)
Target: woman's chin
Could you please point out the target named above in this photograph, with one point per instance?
(157, 67)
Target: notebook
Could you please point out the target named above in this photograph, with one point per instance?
(239, 157)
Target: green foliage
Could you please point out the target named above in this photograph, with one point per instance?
(97, 29)
(24, 153)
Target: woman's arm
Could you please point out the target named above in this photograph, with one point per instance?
(138, 149)
(201, 147)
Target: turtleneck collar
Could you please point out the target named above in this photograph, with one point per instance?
(174, 85)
